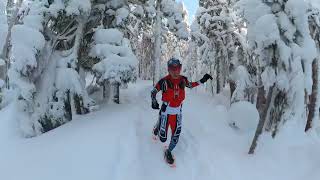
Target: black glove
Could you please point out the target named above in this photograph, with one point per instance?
(205, 78)
(155, 104)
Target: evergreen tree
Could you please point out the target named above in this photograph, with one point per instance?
(109, 17)
(3, 34)
(313, 101)
(173, 14)
(221, 46)
(46, 76)
(279, 36)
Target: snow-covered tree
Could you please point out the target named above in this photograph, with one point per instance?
(278, 33)
(313, 103)
(3, 35)
(130, 17)
(221, 46)
(69, 96)
(118, 63)
(46, 76)
(109, 17)
(9, 16)
(197, 43)
(145, 53)
(169, 15)
(137, 19)
(24, 64)
(172, 47)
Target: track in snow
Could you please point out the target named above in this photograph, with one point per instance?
(115, 143)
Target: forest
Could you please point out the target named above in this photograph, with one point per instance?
(61, 60)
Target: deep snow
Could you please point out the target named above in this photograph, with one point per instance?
(114, 143)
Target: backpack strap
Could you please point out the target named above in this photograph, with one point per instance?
(183, 82)
(163, 85)
(169, 83)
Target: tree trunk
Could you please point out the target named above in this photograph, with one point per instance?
(218, 76)
(157, 47)
(9, 8)
(261, 99)
(67, 107)
(279, 103)
(3, 70)
(313, 96)
(79, 105)
(106, 90)
(116, 93)
(5, 51)
(211, 82)
(78, 99)
(263, 117)
(232, 86)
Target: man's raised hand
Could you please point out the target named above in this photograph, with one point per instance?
(205, 78)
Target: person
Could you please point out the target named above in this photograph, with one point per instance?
(173, 93)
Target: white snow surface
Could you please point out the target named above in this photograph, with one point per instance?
(244, 115)
(115, 143)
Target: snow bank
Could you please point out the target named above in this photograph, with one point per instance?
(244, 115)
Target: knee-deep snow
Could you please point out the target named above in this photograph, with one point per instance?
(114, 143)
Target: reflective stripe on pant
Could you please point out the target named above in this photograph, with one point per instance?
(175, 122)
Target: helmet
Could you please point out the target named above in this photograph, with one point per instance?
(174, 62)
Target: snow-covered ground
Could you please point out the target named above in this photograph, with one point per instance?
(114, 143)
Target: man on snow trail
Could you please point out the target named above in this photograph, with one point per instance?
(173, 93)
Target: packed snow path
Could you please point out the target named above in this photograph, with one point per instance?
(114, 143)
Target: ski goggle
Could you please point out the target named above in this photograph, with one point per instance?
(174, 68)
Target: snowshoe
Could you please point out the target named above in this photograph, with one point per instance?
(168, 157)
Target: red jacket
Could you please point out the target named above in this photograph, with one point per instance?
(173, 90)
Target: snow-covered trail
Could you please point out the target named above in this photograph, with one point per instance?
(115, 143)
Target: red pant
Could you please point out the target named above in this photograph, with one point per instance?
(166, 120)
(172, 122)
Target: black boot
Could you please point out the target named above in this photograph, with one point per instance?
(155, 131)
(168, 156)
(156, 128)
